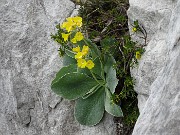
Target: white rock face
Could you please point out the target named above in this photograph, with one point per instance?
(158, 73)
(28, 63)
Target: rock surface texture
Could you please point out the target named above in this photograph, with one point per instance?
(28, 63)
(158, 74)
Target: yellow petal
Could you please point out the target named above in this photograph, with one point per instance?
(76, 49)
(90, 64)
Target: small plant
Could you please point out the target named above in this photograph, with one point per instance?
(98, 54)
(88, 75)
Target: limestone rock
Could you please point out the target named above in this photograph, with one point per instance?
(28, 62)
(158, 74)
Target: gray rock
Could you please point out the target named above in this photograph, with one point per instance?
(158, 74)
(28, 62)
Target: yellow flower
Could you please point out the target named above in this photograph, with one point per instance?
(76, 49)
(77, 20)
(79, 55)
(85, 50)
(71, 23)
(74, 40)
(90, 64)
(65, 36)
(68, 26)
(134, 29)
(78, 37)
(81, 63)
(138, 55)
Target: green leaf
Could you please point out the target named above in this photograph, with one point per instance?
(63, 71)
(68, 60)
(73, 85)
(90, 111)
(70, 53)
(97, 69)
(109, 62)
(111, 107)
(84, 71)
(111, 80)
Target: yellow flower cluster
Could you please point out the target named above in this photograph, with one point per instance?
(81, 62)
(72, 23)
